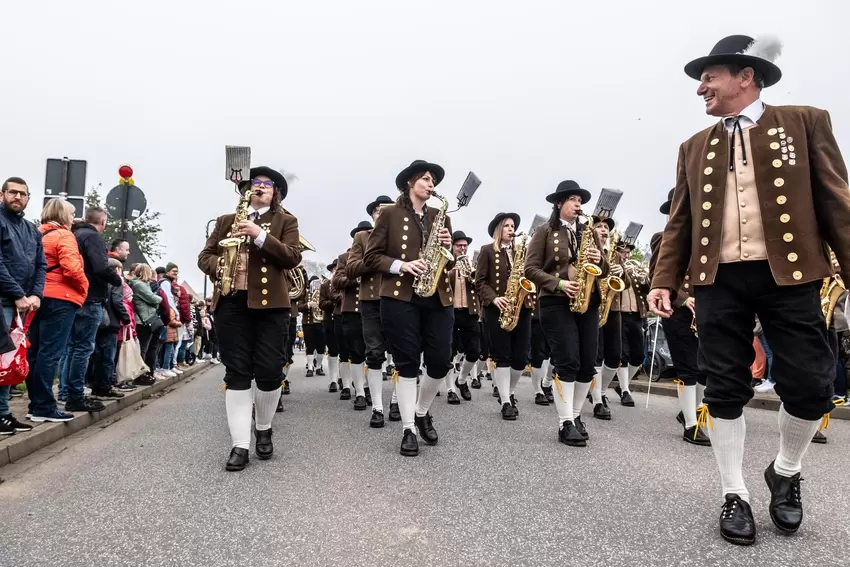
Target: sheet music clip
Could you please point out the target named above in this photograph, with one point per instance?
(467, 190)
(630, 236)
(607, 203)
(537, 222)
(237, 164)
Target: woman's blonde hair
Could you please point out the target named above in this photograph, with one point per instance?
(497, 234)
(59, 211)
(143, 272)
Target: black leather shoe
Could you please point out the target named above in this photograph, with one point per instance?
(309, 373)
(345, 394)
(339, 383)
(736, 521)
(464, 391)
(279, 408)
(508, 412)
(786, 503)
(601, 412)
(581, 428)
(384, 376)
(395, 415)
(547, 391)
(425, 425)
(332, 388)
(320, 372)
(264, 447)
(680, 417)
(819, 438)
(627, 400)
(377, 419)
(286, 388)
(513, 403)
(695, 436)
(409, 444)
(360, 403)
(238, 459)
(476, 383)
(453, 399)
(569, 435)
(368, 393)
(495, 392)
(540, 399)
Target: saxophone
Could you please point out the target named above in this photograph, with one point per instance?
(518, 286)
(434, 254)
(228, 260)
(586, 273)
(612, 285)
(830, 291)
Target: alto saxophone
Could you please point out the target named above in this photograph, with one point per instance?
(830, 291)
(518, 286)
(435, 255)
(228, 260)
(586, 272)
(612, 285)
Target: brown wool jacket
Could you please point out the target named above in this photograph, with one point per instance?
(491, 275)
(472, 302)
(268, 287)
(329, 300)
(804, 206)
(348, 289)
(307, 312)
(355, 268)
(549, 259)
(397, 236)
(654, 246)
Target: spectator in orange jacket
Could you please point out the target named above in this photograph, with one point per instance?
(65, 289)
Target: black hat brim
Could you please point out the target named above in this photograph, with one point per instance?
(277, 178)
(664, 209)
(357, 229)
(419, 167)
(382, 200)
(609, 221)
(462, 237)
(768, 70)
(564, 195)
(501, 216)
(330, 267)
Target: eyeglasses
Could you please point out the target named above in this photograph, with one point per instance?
(261, 183)
(16, 193)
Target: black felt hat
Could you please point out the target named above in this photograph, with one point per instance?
(625, 246)
(609, 221)
(363, 225)
(332, 265)
(498, 218)
(312, 278)
(277, 178)
(382, 200)
(565, 190)
(419, 166)
(460, 235)
(744, 51)
(664, 209)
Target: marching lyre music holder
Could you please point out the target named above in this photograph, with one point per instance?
(467, 190)
(539, 220)
(237, 164)
(607, 203)
(631, 234)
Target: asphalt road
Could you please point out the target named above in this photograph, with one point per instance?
(151, 490)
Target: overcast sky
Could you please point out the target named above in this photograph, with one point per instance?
(345, 94)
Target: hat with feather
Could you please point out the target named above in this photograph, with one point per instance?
(759, 53)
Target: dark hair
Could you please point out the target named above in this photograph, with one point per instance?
(404, 199)
(735, 69)
(93, 214)
(116, 243)
(276, 199)
(555, 217)
(17, 180)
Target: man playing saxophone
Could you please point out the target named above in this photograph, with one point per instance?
(507, 312)
(254, 317)
(410, 245)
(610, 345)
(554, 265)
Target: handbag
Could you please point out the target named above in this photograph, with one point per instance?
(154, 323)
(130, 362)
(14, 365)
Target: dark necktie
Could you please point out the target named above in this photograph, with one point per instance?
(736, 128)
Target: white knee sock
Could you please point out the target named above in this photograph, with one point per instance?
(727, 442)
(580, 393)
(537, 375)
(596, 390)
(550, 375)
(564, 404)
(633, 370)
(428, 388)
(688, 404)
(238, 404)
(359, 379)
(345, 374)
(318, 361)
(333, 368)
(450, 383)
(389, 359)
(606, 376)
(406, 391)
(515, 376)
(502, 380)
(491, 366)
(265, 404)
(376, 379)
(310, 361)
(700, 394)
(465, 369)
(795, 436)
(394, 399)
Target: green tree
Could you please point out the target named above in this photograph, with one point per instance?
(146, 228)
(641, 252)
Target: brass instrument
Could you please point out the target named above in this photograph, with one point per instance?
(435, 254)
(465, 267)
(586, 273)
(830, 291)
(228, 260)
(295, 275)
(639, 272)
(318, 314)
(612, 285)
(518, 285)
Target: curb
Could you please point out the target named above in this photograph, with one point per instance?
(20, 445)
(759, 401)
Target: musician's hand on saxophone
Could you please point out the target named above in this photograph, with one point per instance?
(569, 287)
(415, 267)
(501, 303)
(659, 302)
(247, 228)
(594, 255)
(617, 270)
(445, 237)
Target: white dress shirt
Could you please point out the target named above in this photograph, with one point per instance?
(254, 214)
(748, 117)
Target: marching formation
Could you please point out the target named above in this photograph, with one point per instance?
(757, 208)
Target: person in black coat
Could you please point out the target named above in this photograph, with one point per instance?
(102, 363)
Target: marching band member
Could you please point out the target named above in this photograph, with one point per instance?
(372, 333)
(611, 333)
(253, 317)
(684, 348)
(290, 337)
(631, 305)
(346, 383)
(758, 197)
(572, 336)
(398, 249)
(509, 348)
(466, 316)
(327, 304)
(314, 336)
(539, 355)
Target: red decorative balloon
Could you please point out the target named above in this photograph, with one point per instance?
(125, 171)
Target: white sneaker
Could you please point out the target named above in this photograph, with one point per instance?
(168, 374)
(765, 387)
(215, 361)
(176, 370)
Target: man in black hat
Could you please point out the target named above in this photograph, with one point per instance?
(328, 303)
(314, 339)
(371, 330)
(760, 196)
(253, 320)
(467, 307)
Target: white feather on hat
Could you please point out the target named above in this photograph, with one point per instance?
(767, 47)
